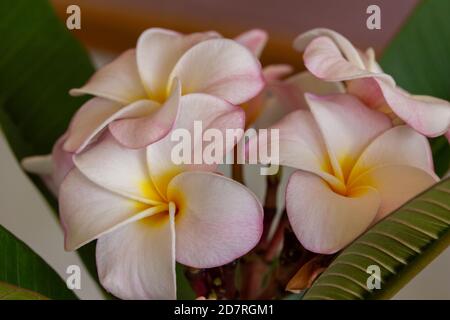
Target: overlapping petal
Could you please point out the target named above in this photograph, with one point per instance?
(118, 169)
(95, 115)
(347, 127)
(323, 220)
(218, 219)
(222, 68)
(88, 211)
(117, 81)
(209, 112)
(143, 131)
(137, 261)
(158, 51)
(396, 184)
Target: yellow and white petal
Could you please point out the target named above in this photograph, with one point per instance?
(301, 145)
(118, 81)
(118, 169)
(218, 220)
(158, 51)
(88, 211)
(396, 184)
(195, 109)
(347, 127)
(399, 145)
(142, 131)
(220, 67)
(324, 221)
(137, 261)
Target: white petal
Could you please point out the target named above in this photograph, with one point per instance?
(88, 211)
(118, 169)
(137, 261)
(324, 221)
(118, 81)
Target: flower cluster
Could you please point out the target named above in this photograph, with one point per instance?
(357, 141)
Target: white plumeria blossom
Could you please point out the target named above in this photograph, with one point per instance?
(133, 93)
(331, 57)
(148, 213)
(354, 169)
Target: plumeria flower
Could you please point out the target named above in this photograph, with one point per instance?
(354, 168)
(133, 90)
(133, 93)
(331, 57)
(148, 213)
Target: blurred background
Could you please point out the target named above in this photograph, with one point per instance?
(108, 27)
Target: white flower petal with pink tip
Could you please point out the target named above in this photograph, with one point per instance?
(323, 220)
(95, 115)
(218, 219)
(118, 81)
(142, 131)
(323, 59)
(429, 116)
(255, 40)
(222, 68)
(158, 51)
(342, 43)
(332, 57)
(137, 261)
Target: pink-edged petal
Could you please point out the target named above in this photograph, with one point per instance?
(399, 145)
(323, 59)
(118, 81)
(255, 40)
(52, 168)
(342, 43)
(396, 184)
(447, 135)
(118, 169)
(324, 221)
(347, 127)
(201, 109)
(88, 211)
(430, 116)
(301, 145)
(218, 219)
(158, 50)
(222, 68)
(137, 261)
(96, 114)
(140, 132)
(276, 72)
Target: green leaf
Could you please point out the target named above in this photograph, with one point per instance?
(20, 266)
(10, 292)
(39, 62)
(418, 59)
(402, 244)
